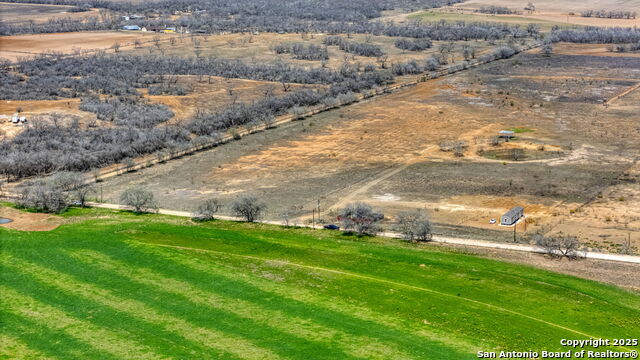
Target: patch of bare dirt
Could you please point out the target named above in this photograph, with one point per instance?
(26, 221)
(587, 50)
(25, 46)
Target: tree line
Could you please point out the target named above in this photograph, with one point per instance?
(54, 194)
(608, 14)
(597, 35)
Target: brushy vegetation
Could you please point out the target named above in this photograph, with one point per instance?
(114, 285)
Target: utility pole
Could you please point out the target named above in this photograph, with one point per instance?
(514, 231)
(313, 218)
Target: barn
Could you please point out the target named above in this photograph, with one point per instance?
(512, 216)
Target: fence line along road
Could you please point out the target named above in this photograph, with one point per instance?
(436, 238)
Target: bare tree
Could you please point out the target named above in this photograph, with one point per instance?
(42, 197)
(547, 48)
(361, 218)
(414, 226)
(517, 154)
(248, 207)
(207, 210)
(285, 86)
(75, 184)
(560, 245)
(139, 200)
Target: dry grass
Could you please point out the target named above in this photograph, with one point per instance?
(17, 13)
(25, 46)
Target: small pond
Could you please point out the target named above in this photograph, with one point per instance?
(5, 220)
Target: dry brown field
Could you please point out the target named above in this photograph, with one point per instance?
(18, 13)
(15, 47)
(546, 15)
(386, 152)
(563, 6)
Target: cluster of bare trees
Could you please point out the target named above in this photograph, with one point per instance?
(608, 14)
(413, 44)
(44, 147)
(615, 35)
(53, 76)
(55, 193)
(301, 51)
(496, 10)
(624, 47)
(355, 10)
(127, 111)
(354, 47)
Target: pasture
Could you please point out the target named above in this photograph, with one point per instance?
(18, 13)
(564, 14)
(387, 152)
(109, 285)
(74, 43)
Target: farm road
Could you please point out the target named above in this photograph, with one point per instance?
(440, 239)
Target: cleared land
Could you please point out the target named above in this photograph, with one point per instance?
(547, 14)
(171, 288)
(387, 152)
(24, 46)
(17, 13)
(559, 5)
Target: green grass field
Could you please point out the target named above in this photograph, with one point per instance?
(111, 285)
(430, 16)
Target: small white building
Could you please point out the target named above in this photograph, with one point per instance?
(512, 216)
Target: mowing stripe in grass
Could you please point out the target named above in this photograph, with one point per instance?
(205, 316)
(379, 280)
(97, 337)
(302, 246)
(162, 341)
(354, 345)
(294, 299)
(240, 347)
(14, 348)
(54, 343)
